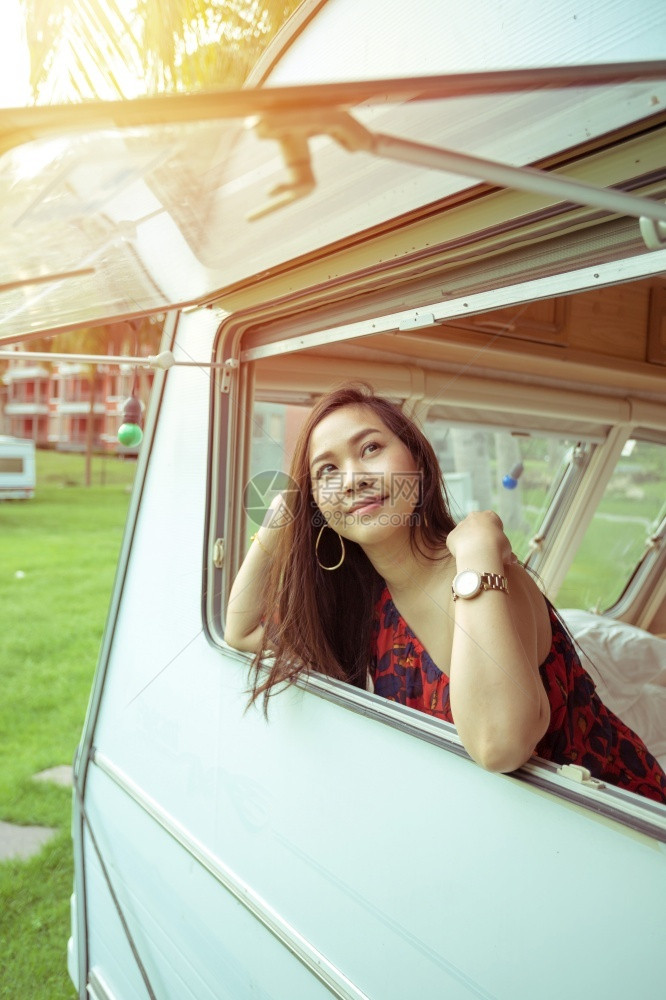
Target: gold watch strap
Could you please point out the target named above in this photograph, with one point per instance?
(494, 581)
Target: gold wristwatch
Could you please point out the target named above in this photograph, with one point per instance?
(469, 583)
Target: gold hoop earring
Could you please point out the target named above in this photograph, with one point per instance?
(342, 549)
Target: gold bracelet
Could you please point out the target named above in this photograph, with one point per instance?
(255, 538)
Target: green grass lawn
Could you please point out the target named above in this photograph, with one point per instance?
(57, 561)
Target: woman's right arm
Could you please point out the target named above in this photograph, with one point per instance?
(244, 629)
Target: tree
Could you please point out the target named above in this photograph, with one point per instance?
(111, 49)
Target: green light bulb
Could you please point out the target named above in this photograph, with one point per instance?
(130, 435)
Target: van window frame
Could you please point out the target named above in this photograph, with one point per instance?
(644, 816)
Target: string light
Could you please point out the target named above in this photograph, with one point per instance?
(130, 433)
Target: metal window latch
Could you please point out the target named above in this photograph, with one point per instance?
(580, 775)
(292, 130)
(295, 152)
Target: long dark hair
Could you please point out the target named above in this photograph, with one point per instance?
(321, 620)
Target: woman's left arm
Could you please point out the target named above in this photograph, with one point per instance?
(498, 702)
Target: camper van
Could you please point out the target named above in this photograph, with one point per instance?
(17, 468)
(465, 206)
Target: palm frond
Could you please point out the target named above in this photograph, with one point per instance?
(123, 48)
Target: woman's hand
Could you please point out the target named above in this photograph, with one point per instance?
(244, 629)
(275, 518)
(480, 534)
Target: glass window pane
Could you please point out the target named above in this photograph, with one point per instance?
(630, 509)
(515, 474)
(11, 465)
(275, 428)
(85, 213)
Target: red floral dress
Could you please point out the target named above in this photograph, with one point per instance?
(581, 731)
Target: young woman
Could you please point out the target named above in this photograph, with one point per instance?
(362, 574)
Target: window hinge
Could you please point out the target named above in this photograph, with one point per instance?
(218, 553)
(228, 369)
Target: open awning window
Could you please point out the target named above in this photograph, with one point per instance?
(115, 210)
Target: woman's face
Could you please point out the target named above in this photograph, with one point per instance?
(364, 479)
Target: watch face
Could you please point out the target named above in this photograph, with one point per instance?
(467, 583)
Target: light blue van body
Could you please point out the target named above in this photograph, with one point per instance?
(347, 846)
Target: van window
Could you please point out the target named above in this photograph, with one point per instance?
(529, 472)
(516, 473)
(619, 533)
(275, 428)
(526, 476)
(14, 465)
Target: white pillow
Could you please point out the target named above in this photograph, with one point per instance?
(628, 666)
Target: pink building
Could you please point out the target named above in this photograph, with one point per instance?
(27, 401)
(51, 403)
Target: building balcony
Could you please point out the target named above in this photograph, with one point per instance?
(27, 372)
(81, 408)
(26, 409)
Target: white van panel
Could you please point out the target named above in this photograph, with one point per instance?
(195, 939)
(160, 612)
(411, 870)
(376, 39)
